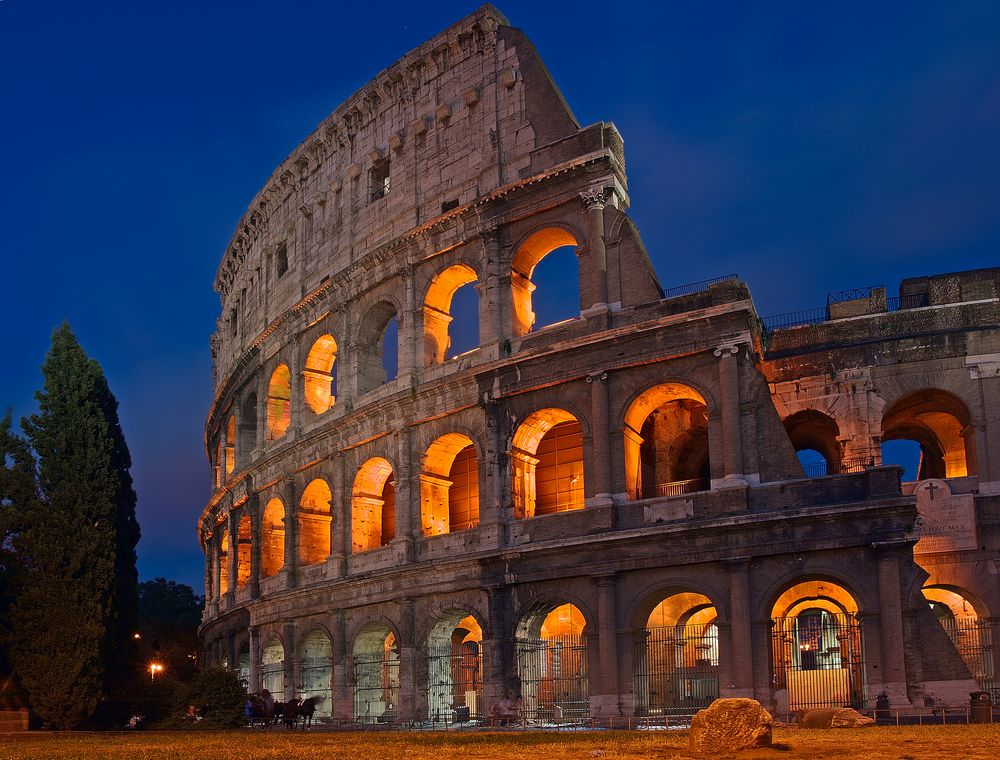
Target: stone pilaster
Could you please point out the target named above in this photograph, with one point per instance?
(594, 200)
(600, 486)
(291, 566)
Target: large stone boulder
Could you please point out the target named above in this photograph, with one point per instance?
(730, 725)
(833, 717)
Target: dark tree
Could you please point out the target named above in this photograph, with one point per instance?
(75, 608)
(169, 615)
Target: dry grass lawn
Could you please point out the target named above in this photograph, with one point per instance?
(963, 742)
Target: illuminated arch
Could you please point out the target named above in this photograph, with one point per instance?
(552, 662)
(449, 486)
(224, 562)
(547, 462)
(272, 550)
(811, 429)
(437, 310)
(376, 673)
(373, 506)
(319, 378)
(535, 247)
(230, 445)
(314, 518)
(279, 402)
(244, 548)
(666, 442)
(454, 665)
(941, 424)
(966, 621)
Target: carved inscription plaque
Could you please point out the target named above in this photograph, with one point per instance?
(948, 521)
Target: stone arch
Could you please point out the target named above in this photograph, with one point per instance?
(371, 353)
(666, 441)
(959, 603)
(941, 424)
(230, 452)
(547, 461)
(272, 667)
(376, 673)
(272, 534)
(223, 559)
(314, 517)
(455, 666)
(967, 623)
(528, 252)
(449, 485)
(279, 402)
(373, 506)
(810, 429)
(647, 598)
(244, 549)
(319, 376)
(248, 428)
(437, 314)
(315, 652)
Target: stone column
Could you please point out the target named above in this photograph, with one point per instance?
(211, 585)
(407, 662)
(289, 664)
(891, 625)
(740, 655)
(601, 434)
(339, 532)
(729, 402)
(221, 453)
(491, 512)
(408, 338)
(234, 557)
(262, 381)
(594, 200)
(343, 702)
(296, 387)
(344, 367)
(497, 664)
(253, 679)
(291, 566)
(404, 496)
(493, 306)
(607, 698)
(217, 549)
(253, 508)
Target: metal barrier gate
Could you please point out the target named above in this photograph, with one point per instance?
(316, 674)
(553, 674)
(817, 660)
(454, 684)
(677, 669)
(973, 638)
(273, 675)
(376, 687)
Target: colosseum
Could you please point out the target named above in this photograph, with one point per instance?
(604, 516)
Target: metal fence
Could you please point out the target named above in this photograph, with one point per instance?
(795, 319)
(376, 687)
(697, 287)
(677, 669)
(817, 660)
(455, 685)
(914, 301)
(553, 674)
(679, 487)
(973, 638)
(273, 677)
(317, 675)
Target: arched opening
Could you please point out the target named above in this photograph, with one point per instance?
(243, 665)
(230, 445)
(666, 442)
(373, 506)
(455, 669)
(272, 668)
(244, 547)
(316, 671)
(814, 437)
(449, 486)
(970, 631)
(279, 402)
(442, 294)
(547, 460)
(224, 563)
(319, 376)
(817, 654)
(314, 518)
(376, 675)
(378, 347)
(219, 462)
(272, 550)
(552, 664)
(248, 428)
(941, 425)
(561, 302)
(677, 657)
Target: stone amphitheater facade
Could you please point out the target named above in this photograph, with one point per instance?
(601, 517)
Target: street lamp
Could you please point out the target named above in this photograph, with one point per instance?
(154, 668)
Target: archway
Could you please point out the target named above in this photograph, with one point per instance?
(677, 657)
(813, 431)
(373, 506)
(272, 550)
(969, 630)
(817, 653)
(376, 675)
(272, 668)
(437, 312)
(230, 452)
(319, 376)
(449, 486)
(248, 429)
(941, 424)
(547, 460)
(243, 665)
(666, 442)
(224, 563)
(315, 517)
(316, 671)
(244, 548)
(535, 248)
(455, 668)
(377, 360)
(279, 402)
(552, 667)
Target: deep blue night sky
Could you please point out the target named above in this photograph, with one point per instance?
(807, 147)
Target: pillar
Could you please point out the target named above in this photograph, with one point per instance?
(253, 507)
(607, 620)
(344, 366)
(343, 699)
(288, 664)
(498, 667)
(340, 511)
(253, 680)
(296, 387)
(493, 313)
(408, 339)
(404, 500)
(891, 625)
(407, 662)
(234, 557)
(729, 402)
(261, 440)
(594, 201)
(291, 566)
(221, 452)
(601, 444)
(739, 658)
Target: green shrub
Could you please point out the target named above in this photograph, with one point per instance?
(219, 697)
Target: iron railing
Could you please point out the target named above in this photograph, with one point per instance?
(974, 641)
(856, 464)
(815, 469)
(553, 675)
(376, 687)
(677, 669)
(317, 674)
(795, 319)
(913, 301)
(455, 686)
(273, 678)
(697, 287)
(853, 294)
(679, 487)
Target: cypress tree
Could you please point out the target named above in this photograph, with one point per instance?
(75, 608)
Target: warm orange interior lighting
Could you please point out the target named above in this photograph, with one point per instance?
(449, 486)
(437, 310)
(279, 404)
(319, 374)
(536, 247)
(372, 502)
(547, 459)
(314, 518)
(272, 550)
